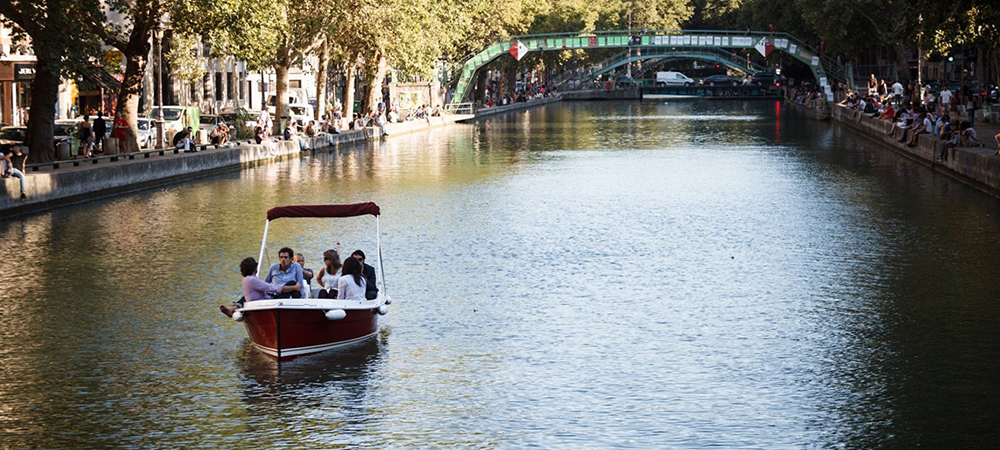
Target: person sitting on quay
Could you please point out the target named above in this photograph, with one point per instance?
(902, 121)
(287, 273)
(213, 136)
(13, 163)
(258, 134)
(219, 135)
(886, 112)
(254, 288)
(914, 125)
(182, 140)
(969, 137)
(927, 127)
(997, 138)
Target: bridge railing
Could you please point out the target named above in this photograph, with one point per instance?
(460, 108)
(821, 65)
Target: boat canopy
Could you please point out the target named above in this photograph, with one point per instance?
(353, 210)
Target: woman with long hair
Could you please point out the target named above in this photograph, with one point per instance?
(351, 286)
(329, 275)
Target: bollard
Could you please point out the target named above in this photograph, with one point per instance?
(63, 151)
(110, 146)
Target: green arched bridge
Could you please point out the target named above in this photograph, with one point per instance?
(673, 44)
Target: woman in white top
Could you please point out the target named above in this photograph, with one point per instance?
(351, 286)
(329, 275)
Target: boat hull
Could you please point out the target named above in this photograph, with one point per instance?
(287, 333)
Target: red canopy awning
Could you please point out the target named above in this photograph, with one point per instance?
(357, 209)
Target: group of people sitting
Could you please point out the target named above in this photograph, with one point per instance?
(910, 121)
(351, 279)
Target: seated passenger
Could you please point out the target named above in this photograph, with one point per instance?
(351, 285)
(329, 275)
(307, 274)
(254, 288)
(287, 273)
(371, 291)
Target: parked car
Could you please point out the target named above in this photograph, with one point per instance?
(624, 82)
(11, 136)
(673, 79)
(720, 80)
(146, 132)
(767, 79)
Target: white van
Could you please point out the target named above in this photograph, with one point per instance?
(673, 79)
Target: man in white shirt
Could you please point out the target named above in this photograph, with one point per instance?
(945, 98)
(897, 93)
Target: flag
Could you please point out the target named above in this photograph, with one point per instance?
(765, 47)
(518, 50)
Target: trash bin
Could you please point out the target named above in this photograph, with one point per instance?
(63, 151)
(110, 146)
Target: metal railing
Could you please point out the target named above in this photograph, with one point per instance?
(460, 108)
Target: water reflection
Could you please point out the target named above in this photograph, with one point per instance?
(562, 280)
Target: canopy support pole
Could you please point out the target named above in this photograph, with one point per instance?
(378, 248)
(263, 242)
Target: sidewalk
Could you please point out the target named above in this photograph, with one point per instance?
(49, 186)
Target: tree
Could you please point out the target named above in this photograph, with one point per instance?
(133, 39)
(62, 45)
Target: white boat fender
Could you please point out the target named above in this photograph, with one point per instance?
(388, 300)
(383, 310)
(336, 314)
(238, 316)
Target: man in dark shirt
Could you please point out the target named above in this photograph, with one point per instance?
(182, 141)
(15, 165)
(371, 290)
(100, 131)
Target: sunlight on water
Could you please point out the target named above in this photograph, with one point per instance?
(699, 274)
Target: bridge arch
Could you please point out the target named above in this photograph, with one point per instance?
(665, 54)
(823, 68)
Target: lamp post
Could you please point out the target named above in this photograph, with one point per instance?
(158, 34)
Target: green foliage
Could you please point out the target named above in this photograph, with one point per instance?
(248, 30)
(183, 58)
(58, 31)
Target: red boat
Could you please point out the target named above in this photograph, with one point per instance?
(288, 328)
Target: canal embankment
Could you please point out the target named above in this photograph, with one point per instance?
(84, 179)
(976, 166)
(73, 181)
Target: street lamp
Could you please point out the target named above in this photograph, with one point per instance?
(158, 34)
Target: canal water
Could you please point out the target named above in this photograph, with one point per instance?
(683, 275)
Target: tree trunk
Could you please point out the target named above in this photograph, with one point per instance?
(375, 84)
(349, 93)
(902, 62)
(478, 96)
(131, 88)
(281, 86)
(323, 67)
(44, 95)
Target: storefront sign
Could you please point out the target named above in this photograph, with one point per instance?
(24, 72)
